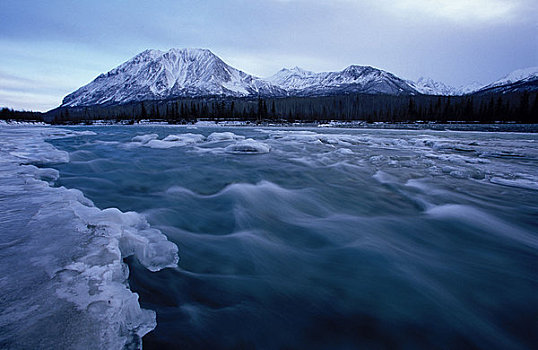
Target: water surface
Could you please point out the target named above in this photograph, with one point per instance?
(326, 238)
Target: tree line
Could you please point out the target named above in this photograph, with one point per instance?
(519, 107)
(25, 116)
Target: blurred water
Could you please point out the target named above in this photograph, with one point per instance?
(326, 238)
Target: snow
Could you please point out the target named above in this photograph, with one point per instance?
(158, 75)
(67, 288)
(526, 74)
(517, 75)
(155, 74)
(354, 78)
(429, 86)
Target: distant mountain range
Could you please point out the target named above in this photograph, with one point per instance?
(158, 75)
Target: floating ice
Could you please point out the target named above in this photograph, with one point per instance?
(144, 138)
(152, 141)
(344, 151)
(248, 146)
(224, 136)
(185, 138)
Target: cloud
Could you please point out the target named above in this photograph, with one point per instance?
(29, 101)
(461, 10)
(60, 45)
(30, 94)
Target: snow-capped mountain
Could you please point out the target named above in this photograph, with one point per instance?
(428, 86)
(518, 80)
(469, 88)
(353, 79)
(155, 74)
(158, 75)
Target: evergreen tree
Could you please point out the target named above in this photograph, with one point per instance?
(143, 112)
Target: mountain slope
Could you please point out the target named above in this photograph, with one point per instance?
(516, 81)
(353, 79)
(158, 75)
(154, 74)
(428, 86)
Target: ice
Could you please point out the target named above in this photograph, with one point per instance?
(152, 141)
(344, 151)
(248, 146)
(143, 139)
(224, 136)
(63, 280)
(185, 138)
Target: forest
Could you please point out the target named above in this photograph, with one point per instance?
(23, 116)
(483, 108)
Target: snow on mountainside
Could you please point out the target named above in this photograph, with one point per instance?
(158, 75)
(469, 88)
(522, 78)
(428, 86)
(155, 74)
(353, 79)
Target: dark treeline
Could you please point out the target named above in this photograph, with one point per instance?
(10, 114)
(519, 107)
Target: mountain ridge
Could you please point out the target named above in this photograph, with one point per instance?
(194, 72)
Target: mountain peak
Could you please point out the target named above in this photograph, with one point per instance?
(518, 80)
(196, 72)
(155, 74)
(358, 69)
(517, 75)
(428, 86)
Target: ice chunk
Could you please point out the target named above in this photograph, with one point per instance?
(175, 141)
(248, 146)
(344, 151)
(144, 138)
(185, 138)
(224, 136)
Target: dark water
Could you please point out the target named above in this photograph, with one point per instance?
(334, 239)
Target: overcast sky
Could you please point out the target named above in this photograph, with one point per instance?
(50, 48)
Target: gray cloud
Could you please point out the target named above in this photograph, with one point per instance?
(455, 41)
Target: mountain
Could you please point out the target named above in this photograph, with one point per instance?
(353, 79)
(469, 88)
(517, 81)
(156, 75)
(428, 86)
(159, 75)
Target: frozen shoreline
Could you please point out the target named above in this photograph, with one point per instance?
(63, 279)
(434, 126)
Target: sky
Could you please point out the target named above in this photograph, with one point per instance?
(50, 48)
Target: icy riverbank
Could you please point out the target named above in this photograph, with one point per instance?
(63, 280)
